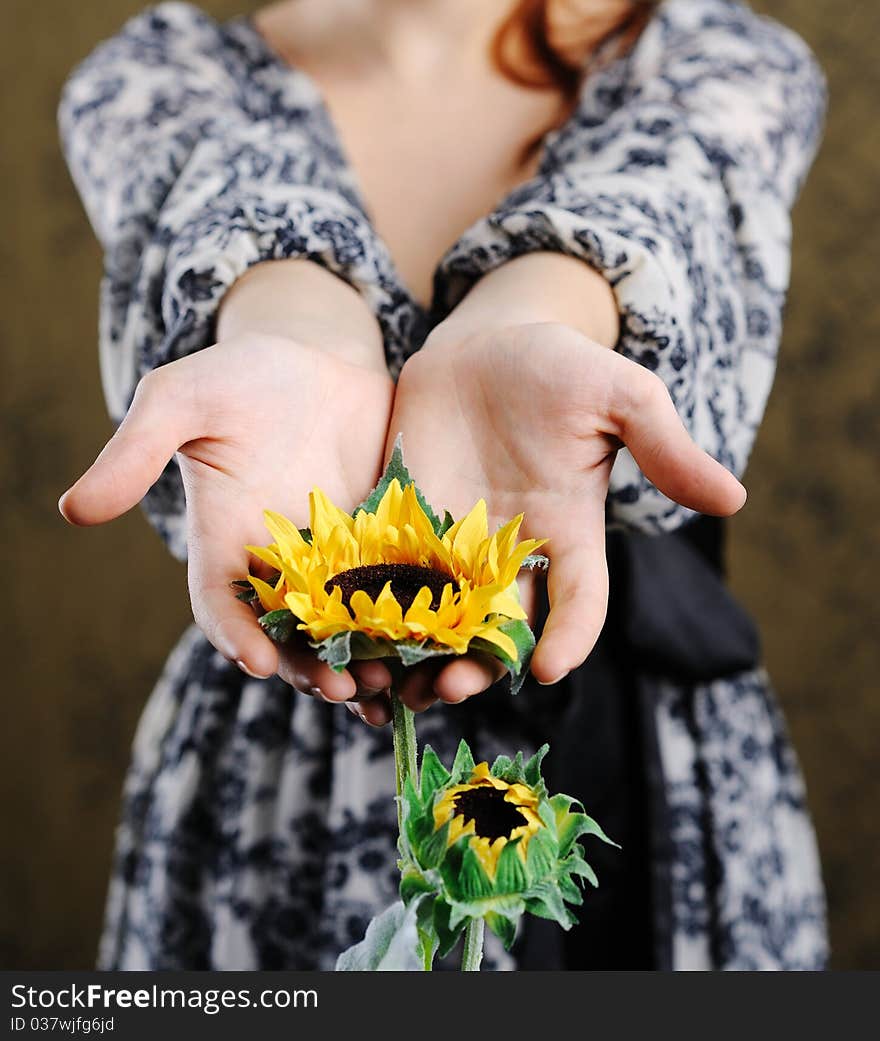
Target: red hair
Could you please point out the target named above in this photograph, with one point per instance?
(546, 43)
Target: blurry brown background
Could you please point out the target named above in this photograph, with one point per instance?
(90, 615)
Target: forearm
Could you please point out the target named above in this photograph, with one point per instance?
(540, 287)
(301, 300)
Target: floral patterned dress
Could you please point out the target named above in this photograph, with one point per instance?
(258, 826)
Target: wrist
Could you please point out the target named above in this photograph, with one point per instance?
(300, 300)
(534, 289)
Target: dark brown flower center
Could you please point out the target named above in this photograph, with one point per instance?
(406, 581)
(492, 814)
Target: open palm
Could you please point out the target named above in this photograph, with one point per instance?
(530, 418)
(256, 423)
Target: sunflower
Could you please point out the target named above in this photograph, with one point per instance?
(392, 579)
(489, 842)
(490, 811)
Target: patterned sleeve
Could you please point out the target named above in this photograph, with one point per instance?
(675, 180)
(191, 172)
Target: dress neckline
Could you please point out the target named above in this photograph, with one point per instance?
(426, 313)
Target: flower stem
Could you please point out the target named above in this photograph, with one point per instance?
(404, 728)
(472, 954)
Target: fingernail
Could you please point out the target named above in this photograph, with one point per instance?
(243, 666)
(316, 692)
(61, 505)
(355, 710)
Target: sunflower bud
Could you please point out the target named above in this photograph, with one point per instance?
(489, 842)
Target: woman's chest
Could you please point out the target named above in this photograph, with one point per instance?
(428, 163)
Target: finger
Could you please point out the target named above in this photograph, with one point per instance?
(577, 585)
(371, 676)
(416, 689)
(417, 697)
(652, 430)
(133, 459)
(216, 557)
(466, 676)
(302, 669)
(375, 713)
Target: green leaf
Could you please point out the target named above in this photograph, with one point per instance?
(532, 769)
(433, 773)
(307, 536)
(396, 470)
(279, 625)
(510, 876)
(335, 650)
(463, 764)
(503, 927)
(391, 944)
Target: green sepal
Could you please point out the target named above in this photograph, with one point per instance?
(306, 534)
(463, 764)
(432, 849)
(447, 934)
(503, 927)
(536, 560)
(279, 625)
(570, 891)
(246, 592)
(411, 653)
(532, 770)
(335, 650)
(448, 521)
(541, 854)
(509, 905)
(396, 470)
(545, 901)
(429, 941)
(473, 882)
(570, 826)
(509, 770)
(411, 803)
(576, 865)
(415, 883)
(510, 875)
(433, 774)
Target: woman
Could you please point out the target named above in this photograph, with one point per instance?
(273, 195)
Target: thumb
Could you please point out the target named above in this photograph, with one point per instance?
(652, 430)
(134, 458)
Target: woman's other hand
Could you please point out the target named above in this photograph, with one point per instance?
(529, 416)
(288, 399)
